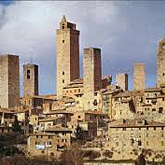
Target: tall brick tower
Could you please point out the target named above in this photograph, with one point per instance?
(9, 81)
(67, 38)
(122, 81)
(161, 64)
(139, 76)
(92, 75)
(30, 79)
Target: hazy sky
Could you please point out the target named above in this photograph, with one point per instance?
(126, 32)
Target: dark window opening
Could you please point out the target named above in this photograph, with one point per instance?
(63, 26)
(63, 41)
(63, 81)
(160, 109)
(139, 143)
(124, 129)
(28, 74)
(63, 73)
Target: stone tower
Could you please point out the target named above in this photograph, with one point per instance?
(139, 76)
(92, 75)
(67, 38)
(161, 64)
(122, 81)
(30, 79)
(9, 81)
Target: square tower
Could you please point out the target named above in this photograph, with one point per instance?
(161, 64)
(67, 38)
(139, 76)
(122, 81)
(92, 75)
(30, 79)
(9, 81)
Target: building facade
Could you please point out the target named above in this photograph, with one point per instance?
(9, 81)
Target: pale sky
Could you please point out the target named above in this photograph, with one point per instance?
(126, 32)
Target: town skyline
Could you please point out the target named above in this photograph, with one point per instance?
(118, 35)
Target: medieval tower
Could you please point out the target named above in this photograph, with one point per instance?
(9, 81)
(122, 81)
(161, 64)
(67, 38)
(139, 76)
(92, 75)
(30, 79)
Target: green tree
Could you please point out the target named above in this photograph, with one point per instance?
(16, 126)
(73, 156)
(79, 134)
(140, 160)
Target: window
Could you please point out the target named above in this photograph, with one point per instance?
(160, 109)
(147, 143)
(153, 109)
(63, 41)
(79, 117)
(162, 143)
(139, 143)
(63, 73)
(124, 129)
(63, 26)
(63, 81)
(154, 128)
(28, 74)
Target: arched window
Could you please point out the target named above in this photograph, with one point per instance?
(63, 26)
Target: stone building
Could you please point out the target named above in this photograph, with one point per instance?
(151, 104)
(123, 106)
(67, 38)
(122, 81)
(161, 64)
(30, 79)
(139, 76)
(92, 75)
(48, 142)
(7, 117)
(9, 81)
(128, 138)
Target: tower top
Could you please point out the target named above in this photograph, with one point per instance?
(63, 19)
(64, 24)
